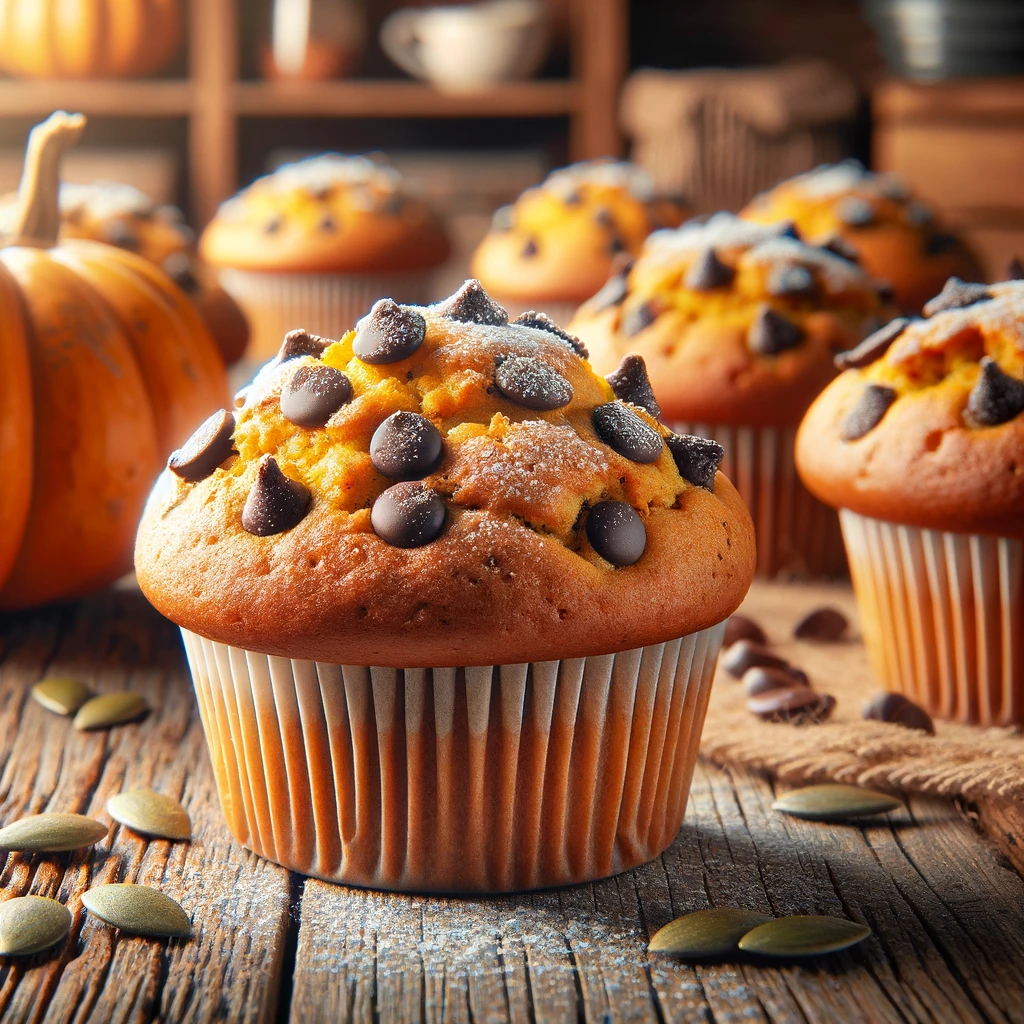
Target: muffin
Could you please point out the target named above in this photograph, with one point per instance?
(876, 218)
(452, 608)
(738, 324)
(558, 243)
(920, 443)
(316, 242)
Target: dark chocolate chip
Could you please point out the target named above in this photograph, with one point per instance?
(630, 382)
(855, 211)
(178, 267)
(885, 292)
(937, 244)
(391, 204)
(616, 245)
(406, 446)
(389, 333)
(272, 226)
(502, 219)
(873, 347)
(771, 333)
(740, 627)
(707, 272)
(786, 229)
(636, 319)
(996, 396)
(529, 250)
(894, 707)
(616, 532)
(745, 654)
(276, 502)
(604, 217)
(624, 432)
(919, 215)
(327, 223)
(573, 198)
(797, 705)
(314, 393)
(408, 515)
(471, 304)
(1015, 271)
(206, 449)
(839, 246)
(301, 343)
(542, 322)
(611, 293)
(956, 294)
(533, 384)
(868, 412)
(791, 281)
(121, 234)
(826, 623)
(697, 458)
(763, 679)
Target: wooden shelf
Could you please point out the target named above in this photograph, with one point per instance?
(21, 98)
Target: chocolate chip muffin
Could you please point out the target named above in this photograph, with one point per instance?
(920, 444)
(738, 324)
(874, 218)
(441, 579)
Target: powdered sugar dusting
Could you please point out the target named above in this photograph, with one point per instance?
(608, 173)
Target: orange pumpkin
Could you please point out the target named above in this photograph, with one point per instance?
(105, 367)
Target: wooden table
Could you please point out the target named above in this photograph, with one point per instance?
(947, 909)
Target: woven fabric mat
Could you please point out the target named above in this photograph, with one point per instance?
(958, 761)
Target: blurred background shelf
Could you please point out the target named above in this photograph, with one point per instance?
(97, 98)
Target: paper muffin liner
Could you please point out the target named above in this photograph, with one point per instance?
(796, 534)
(325, 304)
(492, 779)
(942, 616)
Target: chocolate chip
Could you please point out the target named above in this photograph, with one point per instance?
(542, 322)
(408, 515)
(956, 294)
(873, 347)
(406, 446)
(707, 272)
(697, 458)
(616, 532)
(630, 383)
(276, 502)
(885, 292)
(529, 249)
(894, 707)
(604, 217)
(391, 204)
(739, 627)
(786, 229)
(314, 393)
(937, 244)
(855, 211)
(796, 705)
(616, 245)
(763, 679)
(471, 304)
(178, 267)
(389, 333)
(624, 432)
(611, 293)
(206, 449)
(636, 319)
(121, 234)
(301, 343)
(572, 198)
(745, 654)
(503, 219)
(996, 396)
(828, 624)
(839, 246)
(327, 223)
(1015, 271)
(529, 382)
(919, 215)
(272, 226)
(771, 333)
(791, 281)
(868, 412)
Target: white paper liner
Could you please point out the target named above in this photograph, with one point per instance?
(942, 616)
(796, 534)
(473, 779)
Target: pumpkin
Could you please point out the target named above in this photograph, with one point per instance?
(105, 367)
(88, 38)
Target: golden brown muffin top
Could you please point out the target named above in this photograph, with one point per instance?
(326, 214)
(926, 424)
(441, 487)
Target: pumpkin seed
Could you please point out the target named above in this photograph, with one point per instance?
(835, 802)
(110, 709)
(51, 833)
(138, 909)
(803, 935)
(713, 932)
(150, 813)
(29, 924)
(60, 695)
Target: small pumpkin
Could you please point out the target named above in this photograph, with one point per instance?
(105, 367)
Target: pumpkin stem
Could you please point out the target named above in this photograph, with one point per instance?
(38, 218)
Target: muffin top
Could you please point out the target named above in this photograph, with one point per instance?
(737, 322)
(443, 487)
(326, 214)
(926, 424)
(557, 243)
(895, 235)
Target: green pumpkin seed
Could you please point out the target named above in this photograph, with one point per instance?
(835, 802)
(138, 909)
(51, 833)
(29, 924)
(150, 813)
(110, 709)
(60, 695)
(713, 932)
(803, 935)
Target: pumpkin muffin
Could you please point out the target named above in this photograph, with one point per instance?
(738, 324)
(558, 243)
(920, 443)
(452, 602)
(318, 241)
(874, 218)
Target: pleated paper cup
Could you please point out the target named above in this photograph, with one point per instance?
(796, 534)
(942, 616)
(490, 779)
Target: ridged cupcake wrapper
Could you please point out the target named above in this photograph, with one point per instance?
(942, 616)
(325, 304)
(796, 534)
(473, 779)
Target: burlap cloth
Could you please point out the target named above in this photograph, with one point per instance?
(958, 761)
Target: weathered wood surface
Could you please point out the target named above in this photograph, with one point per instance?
(946, 904)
